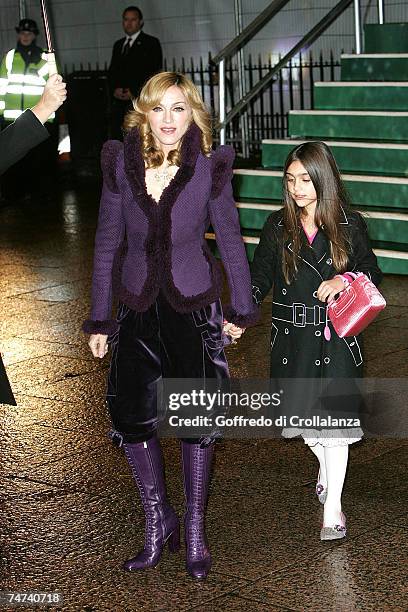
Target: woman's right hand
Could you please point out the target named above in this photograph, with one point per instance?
(98, 343)
(233, 331)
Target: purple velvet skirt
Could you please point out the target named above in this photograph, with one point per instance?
(159, 343)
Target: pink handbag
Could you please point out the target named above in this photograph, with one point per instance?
(357, 305)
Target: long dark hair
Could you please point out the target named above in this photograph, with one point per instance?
(321, 166)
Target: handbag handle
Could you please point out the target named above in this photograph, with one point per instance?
(346, 297)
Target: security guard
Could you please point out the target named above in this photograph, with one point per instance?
(23, 74)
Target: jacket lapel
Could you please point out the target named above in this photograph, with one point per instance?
(138, 44)
(306, 253)
(319, 252)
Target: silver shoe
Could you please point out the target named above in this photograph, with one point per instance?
(334, 533)
(321, 493)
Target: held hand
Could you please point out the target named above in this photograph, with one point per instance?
(98, 345)
(54, 94)
(233, 331)
(329, 289)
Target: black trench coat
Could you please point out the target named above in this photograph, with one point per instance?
(298, 346)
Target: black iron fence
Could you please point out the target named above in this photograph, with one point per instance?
(267, 117)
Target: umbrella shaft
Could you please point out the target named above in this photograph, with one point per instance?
(46, 26)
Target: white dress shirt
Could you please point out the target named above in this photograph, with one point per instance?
(131, 40)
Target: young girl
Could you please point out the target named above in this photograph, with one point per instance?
(305, 251)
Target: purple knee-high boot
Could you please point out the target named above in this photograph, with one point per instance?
(196, 469)
(162, 523)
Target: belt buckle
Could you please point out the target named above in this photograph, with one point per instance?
(317, 319)
(299, 311)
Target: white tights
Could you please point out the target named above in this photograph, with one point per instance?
(333, 465)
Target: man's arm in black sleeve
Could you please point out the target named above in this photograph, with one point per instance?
(114, 68)
(157, 57)
(19, 137)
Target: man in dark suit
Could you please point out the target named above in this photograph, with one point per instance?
(135, 58)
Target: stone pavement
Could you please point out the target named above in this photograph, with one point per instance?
(69, 510)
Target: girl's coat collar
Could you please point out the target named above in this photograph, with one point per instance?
(316, 256)
(344, 221)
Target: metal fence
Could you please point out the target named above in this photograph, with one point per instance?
(268, 115)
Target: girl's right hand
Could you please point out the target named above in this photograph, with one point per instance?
(98, 343)
(328, 290)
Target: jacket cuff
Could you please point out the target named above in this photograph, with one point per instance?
(108, 327)
(247, 320)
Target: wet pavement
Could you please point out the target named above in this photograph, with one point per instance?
(70, 513)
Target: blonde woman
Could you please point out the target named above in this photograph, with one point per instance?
(162, 188)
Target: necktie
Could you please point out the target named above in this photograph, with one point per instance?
(126, 47)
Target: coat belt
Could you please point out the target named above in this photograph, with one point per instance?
(299, 314)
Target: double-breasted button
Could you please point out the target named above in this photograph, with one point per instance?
(317, 362)
(284, 292)
(327, 360)
(329, 261)
(284, 361)
(315, 294)
(286, 330)
(318, 332)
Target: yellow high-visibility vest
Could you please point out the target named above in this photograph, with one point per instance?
(21, 84)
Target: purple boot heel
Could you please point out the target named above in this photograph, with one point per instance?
(162, 523)
(196, 469)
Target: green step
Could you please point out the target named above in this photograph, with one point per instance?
(374, 67)
(390, 261)
(361, 96)
(364, 190)
(383, 226)
(264, 184)
(349, 124)
(389, 159)
(386, 38)
(252, 216)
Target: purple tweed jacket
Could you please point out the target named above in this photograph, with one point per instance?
(142, 247)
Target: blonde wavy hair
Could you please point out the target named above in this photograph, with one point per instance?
(151, 96)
